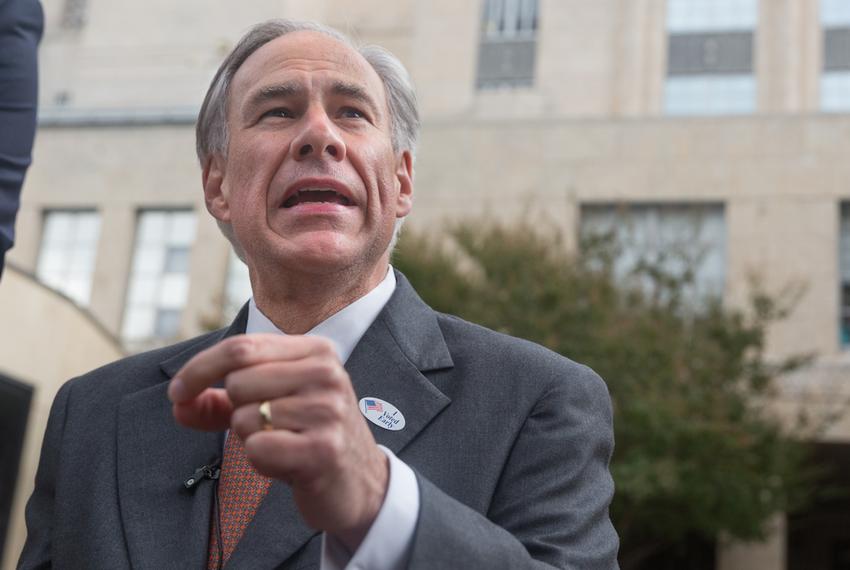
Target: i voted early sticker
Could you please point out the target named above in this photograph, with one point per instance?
(382, 413)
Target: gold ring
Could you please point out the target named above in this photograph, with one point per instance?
(266, 415)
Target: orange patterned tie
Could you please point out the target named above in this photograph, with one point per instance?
(240, 490)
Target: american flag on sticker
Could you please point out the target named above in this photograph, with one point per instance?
(373, 405)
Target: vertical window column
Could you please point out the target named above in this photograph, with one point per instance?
(159, 278)
(710, 57)
(68, 250)
(508, 44)
(835, 79)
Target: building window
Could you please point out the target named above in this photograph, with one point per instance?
(237, 290)
(159, 278)
(68, 251)
(844, 263)
(685, 241)
(508, 44)
(710, 57)
(835, 79)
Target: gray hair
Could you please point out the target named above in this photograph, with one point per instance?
(211, 134)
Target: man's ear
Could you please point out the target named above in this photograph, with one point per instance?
(404, 176)
(215, 194)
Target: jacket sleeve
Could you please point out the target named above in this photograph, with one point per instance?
(550, 509)
(21, 23)
(40, 507)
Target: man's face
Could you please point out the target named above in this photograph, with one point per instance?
(310, 180)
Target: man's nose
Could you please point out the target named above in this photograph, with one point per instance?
(318, 139)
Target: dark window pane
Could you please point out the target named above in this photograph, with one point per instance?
(506, 63)
(176, 260)
(836, 49)
(710, 53)
(167, 323)
(845, 313)
(508, 43)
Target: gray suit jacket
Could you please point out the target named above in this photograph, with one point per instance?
(510, 443)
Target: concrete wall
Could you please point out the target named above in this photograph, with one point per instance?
(162, 54)
(781, 178)
(605, 58)
(50, 341)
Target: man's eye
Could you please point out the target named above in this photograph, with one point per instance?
(282, 112)
(351, 113)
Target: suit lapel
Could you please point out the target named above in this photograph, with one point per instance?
(388, 363)
(163, 521)
(165, 525)
(391, 362)
(379, 368)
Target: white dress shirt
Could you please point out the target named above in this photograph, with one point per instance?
(387, 544)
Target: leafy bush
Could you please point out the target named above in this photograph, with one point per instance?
(697, 452)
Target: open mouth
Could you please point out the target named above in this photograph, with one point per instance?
(316, 195)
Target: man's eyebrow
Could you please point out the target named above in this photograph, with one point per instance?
(272, 92)
(356, 92)
(291, 89)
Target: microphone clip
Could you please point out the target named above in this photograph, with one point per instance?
(211, 472)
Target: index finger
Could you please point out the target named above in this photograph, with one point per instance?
(241, 351)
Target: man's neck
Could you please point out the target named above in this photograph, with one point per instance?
(296, 303)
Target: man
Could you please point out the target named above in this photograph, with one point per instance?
(493, 451)
(21, 23)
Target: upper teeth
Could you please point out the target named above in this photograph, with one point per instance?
(295, 197)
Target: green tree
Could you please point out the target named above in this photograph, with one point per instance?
(697, 451)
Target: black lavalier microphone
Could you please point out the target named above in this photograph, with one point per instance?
(211, 472)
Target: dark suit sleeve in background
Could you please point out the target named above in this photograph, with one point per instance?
(21, 24)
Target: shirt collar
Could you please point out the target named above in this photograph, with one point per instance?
(344, 328)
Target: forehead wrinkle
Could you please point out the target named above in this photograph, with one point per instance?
(323, 55)
(294, 88)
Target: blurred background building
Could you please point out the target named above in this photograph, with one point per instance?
(723, 122)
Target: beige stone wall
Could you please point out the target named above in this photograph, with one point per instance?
(161, 54)
(51, 341)
(781, 179)
(119, 172)
(605, 58)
